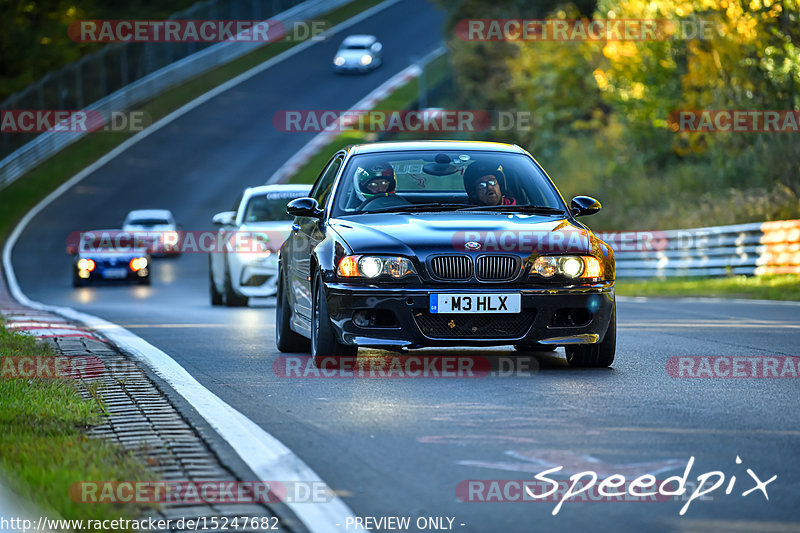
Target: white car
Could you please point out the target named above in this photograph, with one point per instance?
(358, 53)
(157, 227)
(245, 264)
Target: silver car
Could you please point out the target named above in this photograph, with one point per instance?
(156, 227)
(245, 263)
(358, 53)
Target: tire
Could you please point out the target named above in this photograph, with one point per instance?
(535, 347)
(76, 281)
(144, 281)
(595, 355)
(323, 339)
(232, 299)
(214, 294)
(288, 341)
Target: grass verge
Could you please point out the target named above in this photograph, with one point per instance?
(19, 197)
(44, 444)
(776, 287)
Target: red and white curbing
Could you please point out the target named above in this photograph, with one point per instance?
(41, 324)
(324, 138)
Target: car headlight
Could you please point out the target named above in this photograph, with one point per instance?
(366, 59)
(86, 264)
(138, 263)
(338, 61)
(369, 266)
(570, 266)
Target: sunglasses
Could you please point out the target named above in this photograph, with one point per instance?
(485, 184)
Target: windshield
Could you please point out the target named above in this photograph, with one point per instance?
(270, 206)
(435, 181)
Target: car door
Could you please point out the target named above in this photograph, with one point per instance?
(306, 233)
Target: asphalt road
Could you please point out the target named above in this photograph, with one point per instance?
(400, 447)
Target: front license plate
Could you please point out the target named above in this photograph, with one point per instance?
(476, 303)
(115, 273)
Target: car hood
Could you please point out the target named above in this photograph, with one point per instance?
(423, 234)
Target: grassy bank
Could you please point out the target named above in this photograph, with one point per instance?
(19, 197)
(779, 287)
(44, 444)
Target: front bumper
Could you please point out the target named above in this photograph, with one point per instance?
(252, 276)
(558, 316)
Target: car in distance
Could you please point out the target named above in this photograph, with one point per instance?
(245, 264)
(157, 227)
(358, 53)
(442, 243)
(109, 255)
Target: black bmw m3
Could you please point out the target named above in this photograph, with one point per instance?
(443, 243)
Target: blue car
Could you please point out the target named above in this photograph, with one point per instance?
(109, 255)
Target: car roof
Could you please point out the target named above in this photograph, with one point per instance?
(397, 146)
(150, 213)
(292, 187)
(359, 39)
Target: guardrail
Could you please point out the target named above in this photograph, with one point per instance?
(750, 249)
(46, 144)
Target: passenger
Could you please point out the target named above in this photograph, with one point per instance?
(482, 183)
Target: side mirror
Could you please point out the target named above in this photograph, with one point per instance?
(584, 205)
(304, 207)
(377, 47)
(226, 218)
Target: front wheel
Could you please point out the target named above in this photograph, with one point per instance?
(595, 355)
(323, 339)
(214, 294)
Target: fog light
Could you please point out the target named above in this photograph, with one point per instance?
(364, 319)
(142, 272)
(83, 274)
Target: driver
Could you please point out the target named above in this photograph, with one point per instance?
(483, 185)
(375, 181)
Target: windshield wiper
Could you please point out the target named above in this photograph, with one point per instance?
(416, 207)
(538, 209)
